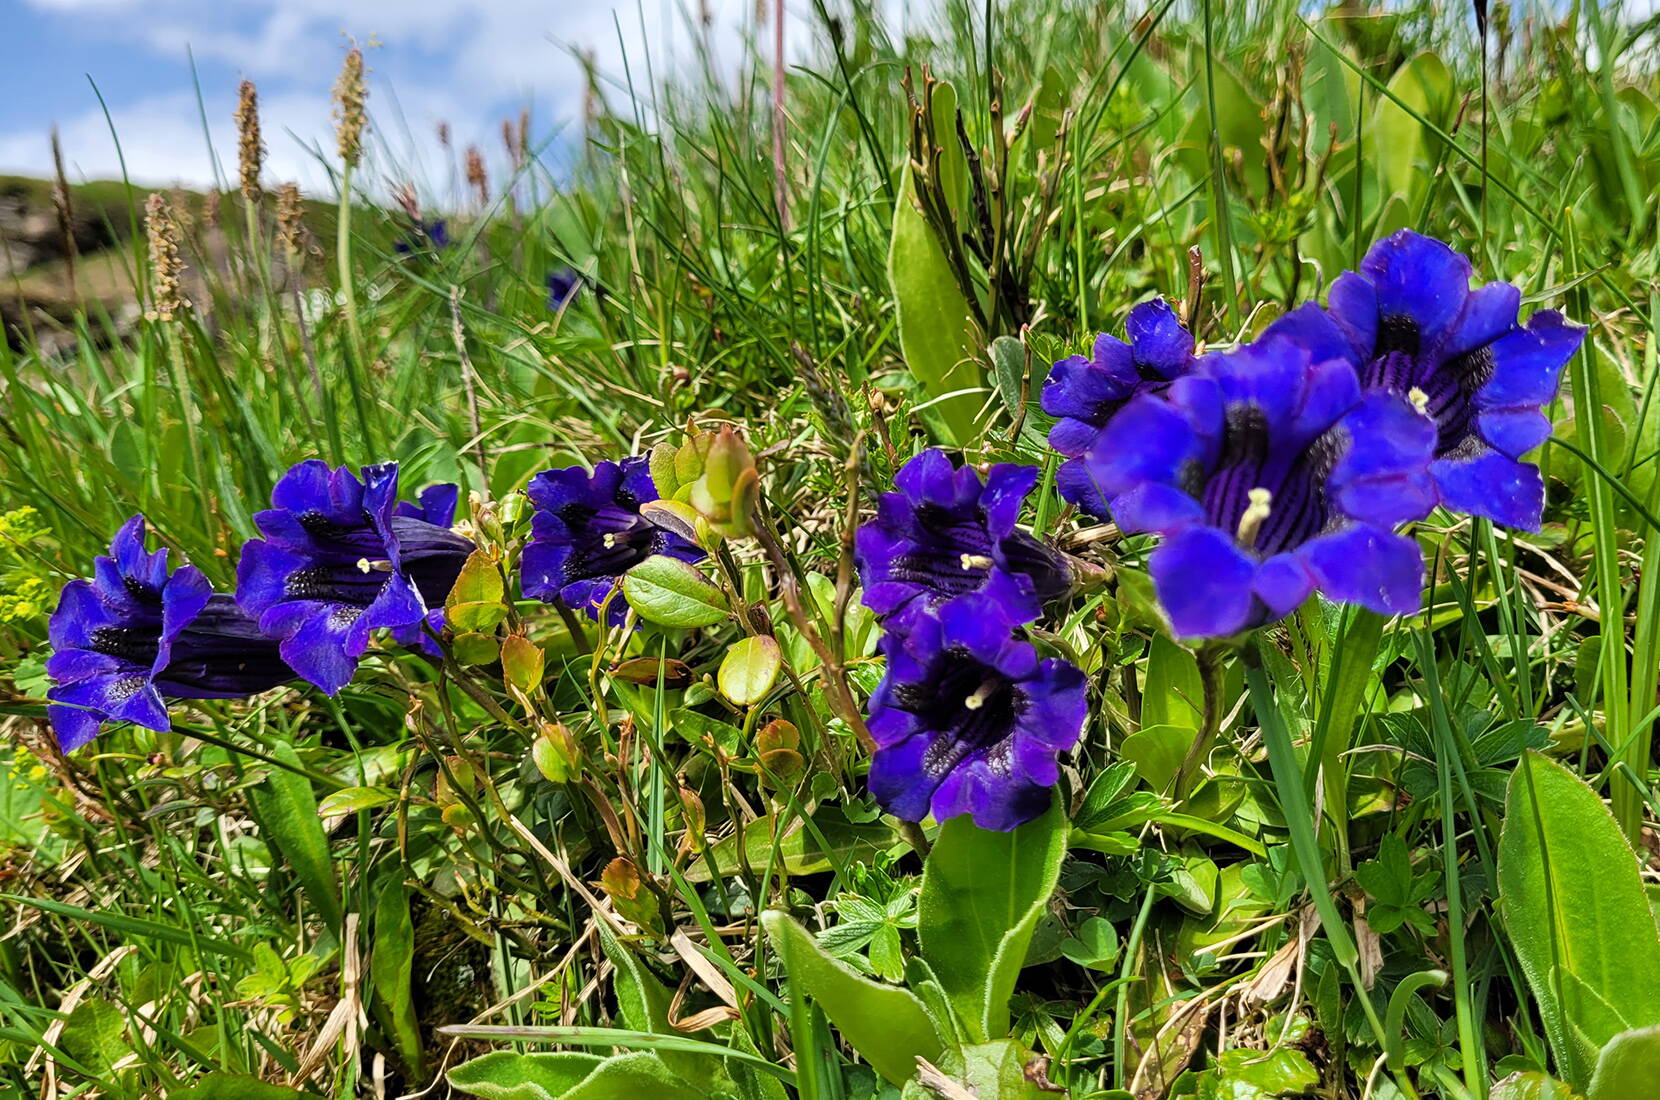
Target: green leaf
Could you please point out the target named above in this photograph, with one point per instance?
(1157, 751)
(1008, 359)
(887, 1025)
(1093, 945)
(234, 1086)
(289, 818)
(92, 1035)
(1173, 694)
(475, 602)
(937, 334)
(522, 661)
(1577, 914)
(504, 1075)
(473, 649)
(633, 1076)
(1532, 1085)
(985, 1069)
(1425, 90)
(1629, 1066)
(800, 849)
(748, 670)
(352, 799)
(982, 895)
(391, 957)
(669, 592)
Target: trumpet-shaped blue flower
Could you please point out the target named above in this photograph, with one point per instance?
(945, 532)
(1270, 476)
(137, 635)
(587, 531)
(1085, 392)
(968, 718)
(340, 559)
(1412, 325)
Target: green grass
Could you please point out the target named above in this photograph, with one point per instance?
(164, 924)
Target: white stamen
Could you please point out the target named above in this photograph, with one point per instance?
(981, 694)
(610, 540)
(974, 561)
(1257, 511)
(364, 565)
(1419, 399)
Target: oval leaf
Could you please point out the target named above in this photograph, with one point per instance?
(748, 670)
(884, 1023)
(669, 592)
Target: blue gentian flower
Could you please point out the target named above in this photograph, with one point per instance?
(137, 635)
(563, 286)
(968, 719)
(342, 558)
(587, 531)
(1270, 476)
(1412, 325)
(1085, 392)
(433, 235)
(945, 532)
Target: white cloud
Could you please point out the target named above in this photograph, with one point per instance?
(465, 62)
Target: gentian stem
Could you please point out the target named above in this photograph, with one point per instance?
(1209, 658)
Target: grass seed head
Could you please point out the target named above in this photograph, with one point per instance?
(350, 92)
(250, 148)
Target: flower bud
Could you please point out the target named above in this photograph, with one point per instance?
(630, 895)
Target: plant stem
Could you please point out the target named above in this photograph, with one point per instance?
(1209, 658)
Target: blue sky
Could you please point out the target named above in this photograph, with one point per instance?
(467, 62)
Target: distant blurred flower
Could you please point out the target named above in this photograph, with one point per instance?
(250, 147)
(342, 558)
(1085, 392)
(1413, 326)
(587, 531)
(968, 719)
(945, 532)
(1270, 476)
(136, 636)
(425, 236)
(563, 287)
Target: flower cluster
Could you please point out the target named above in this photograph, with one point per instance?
(968, 719)
(1287, 466)
(339, 558)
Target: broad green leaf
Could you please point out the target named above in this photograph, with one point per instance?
(635, 1076)
(642, 1002)
(289, 818)
(1093, 945)
(1532, 1085)
(996, 1069)
(92, 1035)
(1172, 694)
(669, 592)
(391, 957)
(1008, 359)
(1157, 751)
(1425, 90)
(1629, 1066)
(982, 895)
(886, 1024)
(521, 662)
(234, 1086)
(937, 333)
(504, 1075)
(352, 799)
(1576, 912)
(475, 602)
(748, 670)
(831, 840)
